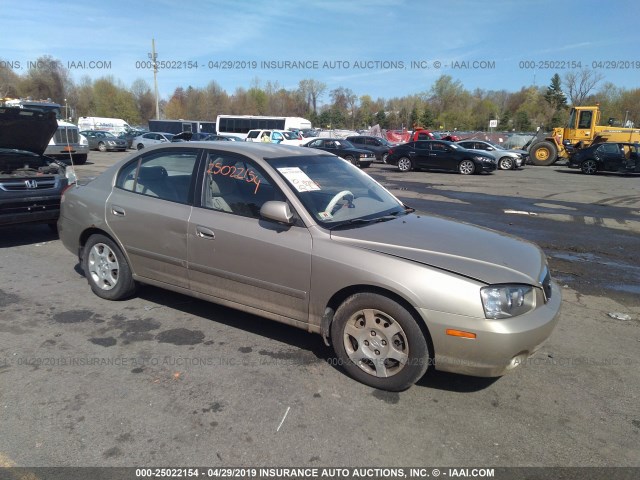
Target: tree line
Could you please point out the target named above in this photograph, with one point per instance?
(445, 105)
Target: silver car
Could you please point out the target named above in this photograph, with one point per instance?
(150, 139)
(507, 159)
(307, 239)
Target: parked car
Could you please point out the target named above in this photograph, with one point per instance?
(440, 155)
(104, 141)
(302, 237)
(507, 159)
(309, 132)
(379, 146)
(607, 157)
(342, 148)
(129, 135)
(284, 137)
(31, 184)
(151, 138)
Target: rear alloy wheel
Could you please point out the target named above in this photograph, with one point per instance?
(589, 167)
(405, 164)
(506, 163)
(467, 167)
(384, 157)
(379, 343)
(102, 147)
(107, 269)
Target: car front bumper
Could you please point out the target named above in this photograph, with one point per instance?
(500, 346)
(63, 151)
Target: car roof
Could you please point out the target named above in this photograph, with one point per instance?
(253, 149)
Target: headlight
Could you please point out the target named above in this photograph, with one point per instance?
(111, 142)
(483, 159)
(505, 301)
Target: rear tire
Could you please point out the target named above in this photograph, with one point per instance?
(543, 153)
(106, 269)
(379, 343)
(384, 157)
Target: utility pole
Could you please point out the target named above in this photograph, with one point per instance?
(154, 60)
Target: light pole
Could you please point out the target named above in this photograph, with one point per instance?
(154, 61)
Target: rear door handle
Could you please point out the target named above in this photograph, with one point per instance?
(204, 232)
(118, 211)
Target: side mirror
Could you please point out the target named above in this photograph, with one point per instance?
(277, 211)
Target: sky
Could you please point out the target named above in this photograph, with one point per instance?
(380, 48)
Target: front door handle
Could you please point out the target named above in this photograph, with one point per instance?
(118, 211)
(205, 233)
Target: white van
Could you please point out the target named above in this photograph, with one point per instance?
(113, 125)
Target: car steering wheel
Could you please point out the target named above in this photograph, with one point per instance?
(336, 198)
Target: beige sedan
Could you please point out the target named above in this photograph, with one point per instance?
(305, 238)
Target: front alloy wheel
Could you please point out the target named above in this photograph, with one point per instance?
(466, 167)
(379, 343)
(589, 167)
(506, 163)
(102, 147)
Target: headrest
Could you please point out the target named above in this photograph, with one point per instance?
(151, 173)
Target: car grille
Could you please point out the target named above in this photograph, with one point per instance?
(545, 281)
(66, 135)
(28, 206)
(34, 184)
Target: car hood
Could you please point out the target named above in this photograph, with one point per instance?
(26, 129)
(475, 252)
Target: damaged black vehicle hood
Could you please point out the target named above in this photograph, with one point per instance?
(26, 129)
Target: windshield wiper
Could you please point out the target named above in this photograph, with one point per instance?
(364, 221)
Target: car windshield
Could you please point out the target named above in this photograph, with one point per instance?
(290, 135)
(109, 135)
(168, 136)
(335, 192)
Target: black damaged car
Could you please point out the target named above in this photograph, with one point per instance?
(31, 184)
(342, 148)
(607, 157)
(440, 155)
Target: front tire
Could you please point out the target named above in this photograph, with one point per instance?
(140, 146)
(107, 269)
(467, 167)
(379, 343)
(543, 153)
(405, 164)
(589, 167)
(506, 163)
(351, 160)
(384, 157)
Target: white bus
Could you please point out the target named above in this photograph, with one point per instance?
(239, 125)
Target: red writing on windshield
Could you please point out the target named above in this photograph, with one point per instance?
(238, 173)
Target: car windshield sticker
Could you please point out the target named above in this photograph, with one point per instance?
(299, 179)
(325, 215)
